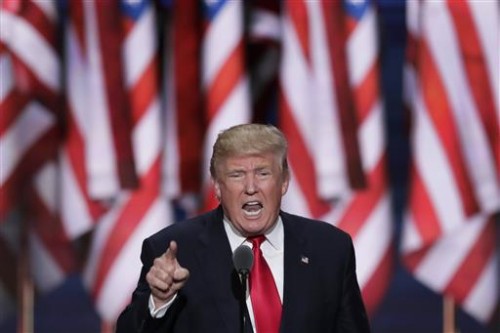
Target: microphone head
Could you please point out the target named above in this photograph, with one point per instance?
(243, 259)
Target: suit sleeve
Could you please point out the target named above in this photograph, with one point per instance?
(136, 317)
(352, 316)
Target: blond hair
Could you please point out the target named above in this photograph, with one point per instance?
(249, 139)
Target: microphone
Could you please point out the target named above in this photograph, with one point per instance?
(243, 259)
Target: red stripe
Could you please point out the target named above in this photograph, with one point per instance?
(75, 10)
(187, 75)
(365, 201)
(225, 81)
(210, 200)
(301, 162)
(130, 217)
(477, 71)
(12, 108)
(110, 38)
(424, 215)
(367, 94)
(145, 91)
(11, 193)
(35, 17)
(75, 150)
(374, 290)
(336, 35)
(299, 18)
(439, 110)
(474, 264)
(49, 230)
(29, 83)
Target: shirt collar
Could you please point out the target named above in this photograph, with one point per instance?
(275, 236)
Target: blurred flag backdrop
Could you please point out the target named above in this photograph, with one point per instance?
(109, 110)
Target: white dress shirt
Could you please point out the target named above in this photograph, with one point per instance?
(272, 250)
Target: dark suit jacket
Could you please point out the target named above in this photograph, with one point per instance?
(319, 295)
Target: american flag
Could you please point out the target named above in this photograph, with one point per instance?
(184, 120)
(113, 266)
(331, 113)
(451, 86)
(225, 84)
(30, 97)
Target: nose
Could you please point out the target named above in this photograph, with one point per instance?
(251, 186)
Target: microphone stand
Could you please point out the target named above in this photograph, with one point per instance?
(243, 304)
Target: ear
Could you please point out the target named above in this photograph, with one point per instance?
(284, 186)
(217, 189)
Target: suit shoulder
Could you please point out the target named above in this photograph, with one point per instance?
(316, 228)
(182, 230)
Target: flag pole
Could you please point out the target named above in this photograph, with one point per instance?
(448, 315)
(26, 289)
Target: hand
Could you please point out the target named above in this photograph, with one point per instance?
(166, 276)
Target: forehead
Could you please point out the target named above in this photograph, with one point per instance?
(250, 161)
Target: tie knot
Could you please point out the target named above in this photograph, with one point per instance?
(257, 240)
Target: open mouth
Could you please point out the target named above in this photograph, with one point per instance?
(252, 208)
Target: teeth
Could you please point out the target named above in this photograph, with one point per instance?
(252, 208)
(252, 213)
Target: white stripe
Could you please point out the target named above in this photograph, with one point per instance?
(75, 216)
(140, 38)
(124, 273)
(371, 137)
(226, 117)
(370, 250)
(47, 274)
(449, 59)
(324, 138)
(46, 186)
(445, 51)
(101, 157)
(294, 200)
(33, 123)
(411, 239)
(485, 15)
(413, 9)
(171, 158)
(446, 255)
(77, 82)
(101, 234)
(48, 8)
(432, 163)
(482, 299)
(31, 47)
(146, 138)
(362, 48)
(216, 50)
(265, 24)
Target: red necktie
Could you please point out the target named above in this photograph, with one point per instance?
(266, 302)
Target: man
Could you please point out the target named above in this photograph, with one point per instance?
(303, 278)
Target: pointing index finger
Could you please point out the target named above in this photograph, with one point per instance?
(171, 253)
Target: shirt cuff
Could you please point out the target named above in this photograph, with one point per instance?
(160, 312)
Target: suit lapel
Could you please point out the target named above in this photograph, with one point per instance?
(215, 258)
(296, 275)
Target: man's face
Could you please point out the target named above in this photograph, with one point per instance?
(250, 188)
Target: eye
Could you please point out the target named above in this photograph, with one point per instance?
(264, 173)
(235, 175)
